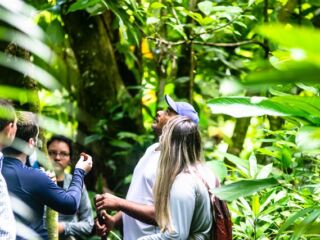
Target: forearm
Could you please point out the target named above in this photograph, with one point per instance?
(78, 229)
(141, 212)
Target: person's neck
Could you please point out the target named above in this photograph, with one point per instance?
(60, 177)
(21, 157)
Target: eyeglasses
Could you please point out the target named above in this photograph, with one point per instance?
(61, 154)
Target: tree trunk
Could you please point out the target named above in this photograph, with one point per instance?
(186, 63)
(239, 135)
(102, 93)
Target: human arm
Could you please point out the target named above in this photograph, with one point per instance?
(182, 205)
(141, 212)
(83, 227)
(66, 202)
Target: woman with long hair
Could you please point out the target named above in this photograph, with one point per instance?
(182, 202)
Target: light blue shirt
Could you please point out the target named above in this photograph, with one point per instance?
(190, 208)
(80, 224)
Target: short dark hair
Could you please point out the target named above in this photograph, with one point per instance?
(61, 138)
(7, 113)
(27, 127)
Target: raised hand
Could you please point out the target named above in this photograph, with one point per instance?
(85, 162)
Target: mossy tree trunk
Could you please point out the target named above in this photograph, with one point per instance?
(102, 93)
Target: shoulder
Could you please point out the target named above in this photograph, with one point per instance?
(207, 175)
(184, 185)
(36, 174)
(152, 147)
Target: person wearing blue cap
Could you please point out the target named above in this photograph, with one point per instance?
(137, 212)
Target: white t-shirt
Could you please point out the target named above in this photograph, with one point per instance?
(141, 191)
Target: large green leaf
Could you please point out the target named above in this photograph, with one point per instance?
(245, 107)
(31, 70)
(309, 215)
(218, 168)
(293, 37)
(24, 41)
(293, 218)
(306, 108)
(295, 72)
(243, 188)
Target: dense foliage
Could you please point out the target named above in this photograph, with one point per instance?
(97, 70)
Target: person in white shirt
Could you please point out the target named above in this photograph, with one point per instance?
(136, 212)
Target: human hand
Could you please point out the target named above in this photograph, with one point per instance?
(85, 162)
(105, 224)
(107, 201)
(60, 227)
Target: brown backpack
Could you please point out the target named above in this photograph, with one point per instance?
(222, 224)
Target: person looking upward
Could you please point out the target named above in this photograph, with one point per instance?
(136, 212)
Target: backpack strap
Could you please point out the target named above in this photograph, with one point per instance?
(217, 183)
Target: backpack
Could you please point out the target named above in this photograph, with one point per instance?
(222, 225)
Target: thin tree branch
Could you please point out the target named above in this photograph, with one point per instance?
(220, 27)
(212, 44)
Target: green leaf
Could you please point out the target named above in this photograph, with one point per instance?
(31, 70)
(205, 7)
(82, 5)
(120, 144)
(308, 138)
(307, 108)
(297, 72)
(228, 9)
(293, 37)
(255, 205)
(92, 138)
(241, 164)
(152, 20)
(26, 42)
(253, 165)
(245, 107)
(251, 2)
(293, 218)
(218, 168)
(243, 188)
(157, 5)
(265, 171)
(303, 226)
(18, 94)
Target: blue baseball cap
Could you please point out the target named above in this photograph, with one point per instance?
(183, 109)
